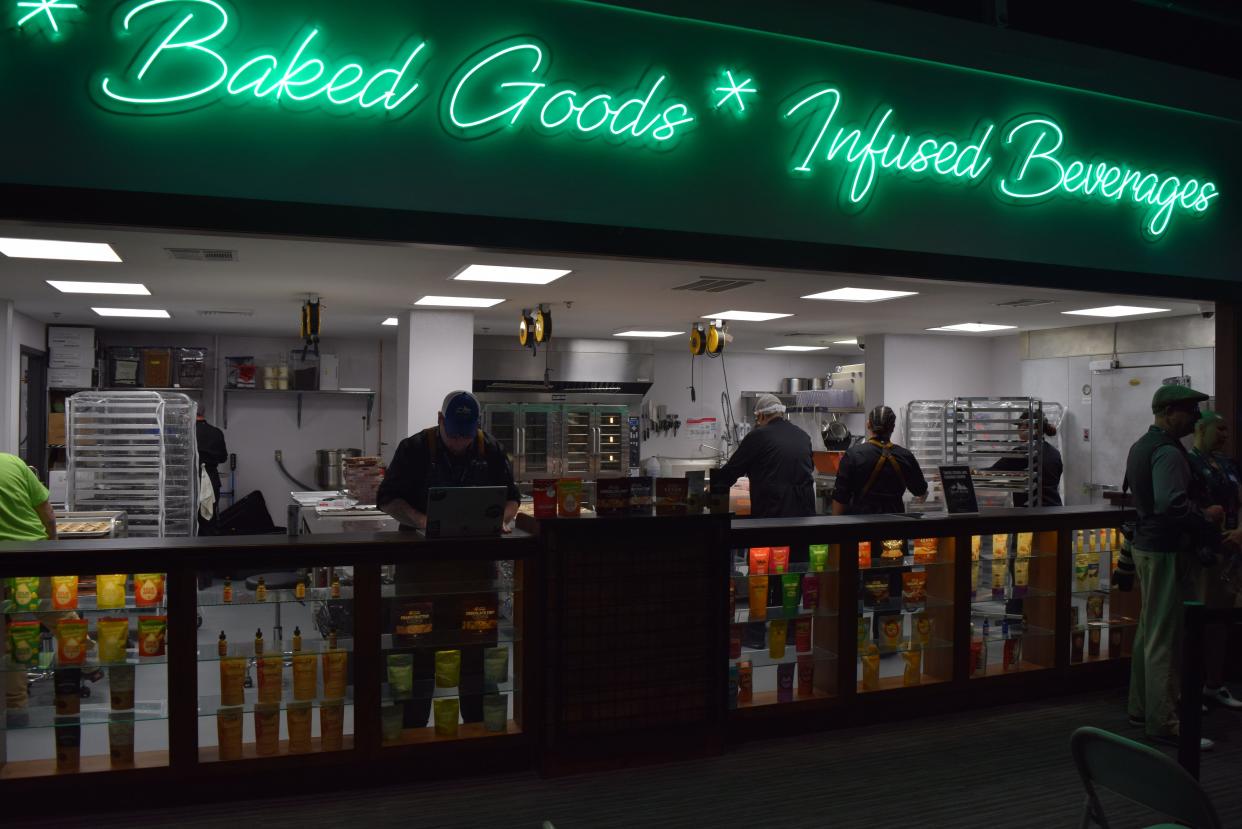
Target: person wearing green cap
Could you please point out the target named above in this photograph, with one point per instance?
(1222, 485)
(1170, 529)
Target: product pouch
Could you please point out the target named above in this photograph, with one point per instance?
(401, 675)
(68, 685)
(974, 579)
(810, 591)
(305, 676)
(759, 558)
(110, 592)
(332, 724)
(569, 497)
(871, 668)
(298, 722)
(1082, 569)
(1095, 607)
(780, 559)
(233, 677)
(446, 716)
(913, 670)
(806, 675)
(785, 682)
(745, 682)
(922, 625)
(789, 593)
(112, 636)
(68, 744)
(778, 631)
(495, 713)
(998, 579)
(1021, 576)
(495, 666)
(864, 631)
(758, 597)
(448, 668)
(914, 590)
(926, 550)
(1013, 654)
(877, 592)
(152, 631)
(478, 614)
(890, 631)
(271, 670)
(413, 619)
(266, 729)
(1000, 545)
(335, 670)
(71, 642)
(121, 740)
(864, 555)
(1077, 640)
(544, 491)
(24, 592)
(818, 554)
(229, 732)
(893, 549)
(976, 546)
(802, 635)
(1093, 643)
(64, 592)
(1026, 543)
(148, 589)
(121, 685)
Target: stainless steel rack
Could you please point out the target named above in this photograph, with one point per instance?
(983, 430)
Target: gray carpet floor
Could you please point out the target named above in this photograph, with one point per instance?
(1002, 767)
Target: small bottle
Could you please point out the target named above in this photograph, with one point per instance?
(258, 642)
(1081, 541)
(1004, 628)
(987, 628)
(297, 639)
(299, 589)
(228, 590)
(260, 592)
(332, 639)
(223, 646)
(336, 587)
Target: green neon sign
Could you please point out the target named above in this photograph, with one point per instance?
(552, 109)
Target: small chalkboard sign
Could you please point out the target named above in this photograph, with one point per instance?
(959, 489)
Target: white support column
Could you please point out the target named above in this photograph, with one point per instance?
(10, 378)
(435, 355)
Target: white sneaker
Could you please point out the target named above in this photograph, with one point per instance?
(1222, 697)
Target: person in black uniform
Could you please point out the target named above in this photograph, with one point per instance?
(453, 453)
(776, 457)
(211, 453)
(873, 477)
(1050, 463)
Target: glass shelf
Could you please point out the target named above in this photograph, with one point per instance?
(213, 597)
(87, 604)
(761, 658)
(1106, 592)
(6, 667)
(427, 691)
(314, 647)
(741, 616)
(44, 716)
(503, 635)
(930, 603)
(934, 644)
(997, 635)
(1030, 593)
(801, 568)
(451, 588)
(760, 699)
(465, 731)
(208, 705)
(908, 561)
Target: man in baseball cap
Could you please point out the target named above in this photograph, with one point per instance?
(1170, 531)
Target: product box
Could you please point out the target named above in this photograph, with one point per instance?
(544, 490)
(612, 496)
(124, 366)
(191, 368)
(641, 495)
(56, 428)
(329, 372)
(670, 496)
(156, 368)
(240, 372)
(569, 497)
(70, 378)
(70, 337)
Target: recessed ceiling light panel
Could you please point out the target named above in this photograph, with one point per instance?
(973, 327)
(845, 342)
(52, 249)
(798, 348)
(389, 321)
(1115, 311)
(654, 335)
(459, 301)
(745, 316)
(137, 313)
(115, 288)
(860, 295)
(510, 275)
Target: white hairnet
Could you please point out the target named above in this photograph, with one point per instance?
(769, 404)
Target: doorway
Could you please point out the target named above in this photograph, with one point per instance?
(32, 411)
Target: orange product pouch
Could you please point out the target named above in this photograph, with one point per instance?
(71, 642)
(759, 558)
(64, 592)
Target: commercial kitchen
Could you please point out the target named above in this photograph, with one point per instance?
(617, 321)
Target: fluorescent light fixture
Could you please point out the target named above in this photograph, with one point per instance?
(973, 327)
(797, 348)
(119, 288)
(1115, 311)
(511, 275)
(860, 295)
(459, 301)
(846, 342)
(52, 249)
(654, 335)
(389, 321)
(745, 316)
(143, 313)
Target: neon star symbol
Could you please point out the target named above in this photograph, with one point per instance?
(735, 90)
(47, 7)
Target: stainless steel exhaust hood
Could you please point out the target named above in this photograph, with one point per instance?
(612, 367)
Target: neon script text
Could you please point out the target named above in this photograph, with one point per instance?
(178, 68)
(1039, 174)
(878, 146)
(505, 85)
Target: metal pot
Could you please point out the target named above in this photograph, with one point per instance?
(819, 383)
(328, 474)
(793, 385)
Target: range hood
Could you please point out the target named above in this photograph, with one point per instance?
(589, 367)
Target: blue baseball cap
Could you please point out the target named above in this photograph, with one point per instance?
(461, 414)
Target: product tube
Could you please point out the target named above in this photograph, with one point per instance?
(759, 557)
(745, 682)
(780, 559)
(496, 713)
(785, 682)
(298, 723)
(271, 678)
(789, 593)
(68, 743)
(802, 635)
(266, 729)
(913, 672)
(232, 681)
(818, 554)
(332, 724)
(758, 597)
(871, 668)
(810, 591)
(1077, 640)
(229, 732)
(777, 633)
(121, 681)
(806, 675)
(1093, 643)
(1021, 576)
(68, 685)
(305, 676)
(336, 664)
(121, 740)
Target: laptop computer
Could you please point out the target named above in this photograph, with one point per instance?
(465, 511)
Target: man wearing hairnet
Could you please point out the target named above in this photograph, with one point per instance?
(776, 457)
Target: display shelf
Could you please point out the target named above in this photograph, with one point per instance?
(1031, 593)
(299, 393)
(1034, 556)
(209, 704)
(997, 635)
(505, 634)
(425, 692)
(316, 647)
(462, 588)
(897, 682)
(906, 562)
(86, 604)
(22, 769)
(741, 616)
(250, 750)
(997, 669)
(762, 658)
(6, 667)
(762, 698)
(930, 603)
(1085, 592)
(465, 731)
(213, 596)
(934, 644)
(44, 716)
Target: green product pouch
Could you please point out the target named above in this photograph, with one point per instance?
(495, 666)
(448, 669)
(401, 675)
(23, 643)
(24, 592)
(819, 557)
(789, 592)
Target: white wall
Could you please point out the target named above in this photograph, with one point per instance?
(929, 368)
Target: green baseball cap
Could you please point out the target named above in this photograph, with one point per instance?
(1169, 395)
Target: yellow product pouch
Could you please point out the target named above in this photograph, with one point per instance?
(298, 720)
(871, 669)
(266, 729)
(1026, 543)
(923, 625)
(913, 673)
(890, 631)
(113, 635)
(446, 715)
(1000, 545)
(110, 592)
(448, 669)
(64, 592)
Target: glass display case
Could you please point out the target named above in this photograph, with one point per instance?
(784, 624)
(85, 674)
(905, 612)
(1103, 619)
(452, 651)
(1013, 602)
(275, 663)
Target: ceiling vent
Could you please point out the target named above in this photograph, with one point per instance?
(227, 313)
(1025, 303)
(202, 254)
(716, 285)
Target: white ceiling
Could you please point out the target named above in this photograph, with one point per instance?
(362, 283)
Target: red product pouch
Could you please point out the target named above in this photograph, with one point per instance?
(806, 675)
(802, 635)
(780, 559)
(544, 491)
(759, 558)
(810, 591)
